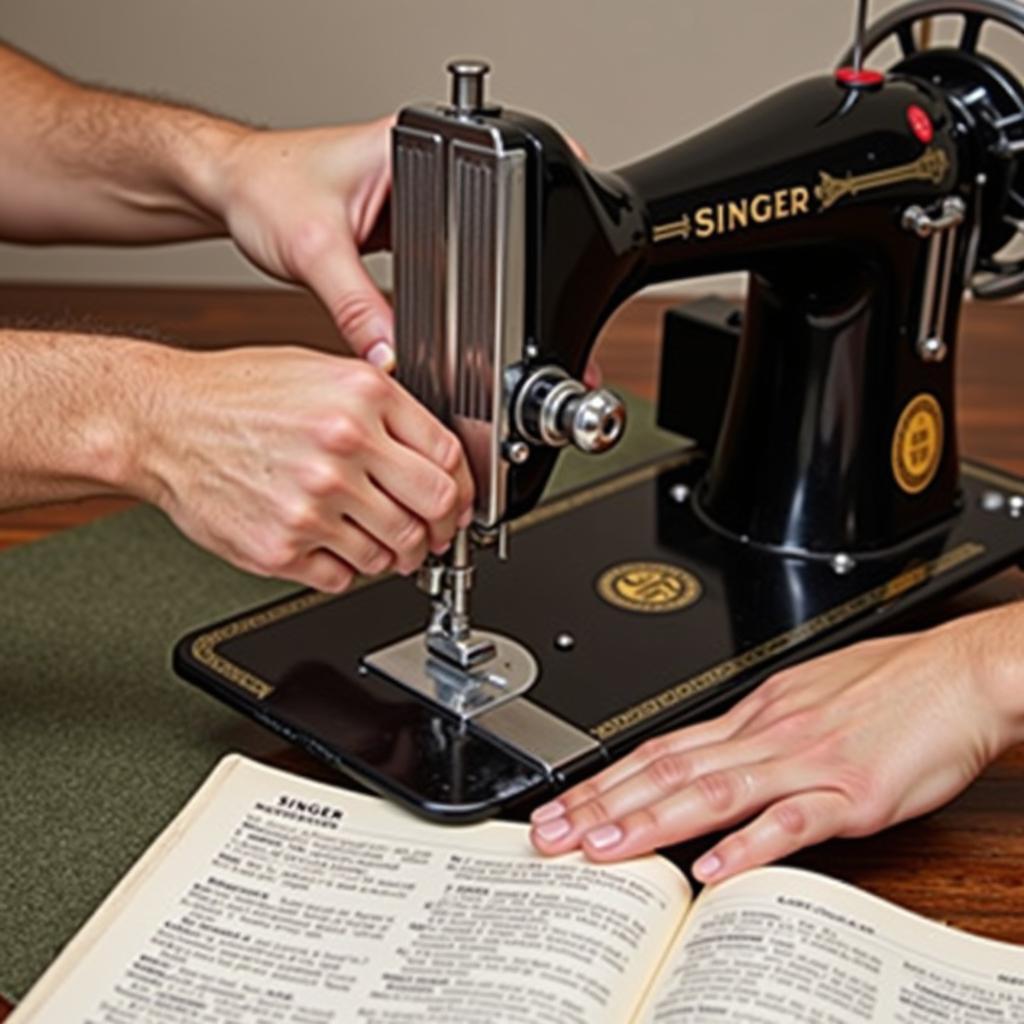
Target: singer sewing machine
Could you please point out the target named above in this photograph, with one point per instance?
(824, 495)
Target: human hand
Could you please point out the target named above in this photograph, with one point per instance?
(843, 745)
(292, 463)
(303, 205)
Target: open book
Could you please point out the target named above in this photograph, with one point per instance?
(274, 899)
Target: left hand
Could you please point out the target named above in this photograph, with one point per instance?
(843, 745)
(303, 206)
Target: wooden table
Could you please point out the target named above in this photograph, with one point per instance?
(964, 864)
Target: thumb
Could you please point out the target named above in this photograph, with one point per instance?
(358, 309)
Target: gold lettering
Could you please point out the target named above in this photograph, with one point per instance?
(737, 214)
(799, 198)
(704, 218)
(781, 209)
(719, 217)
(761, 207)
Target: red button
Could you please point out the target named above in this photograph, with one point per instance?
(920, 123)
(859, 77)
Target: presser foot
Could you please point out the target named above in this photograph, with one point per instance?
(466, 691)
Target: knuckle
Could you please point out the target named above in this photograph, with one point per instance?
(300, 517)
(321, 480)
(717, 790)
(310, 242)
(344, 435)
(368, 383)
(372, 558)
(337, 580)
(409, 535)
(797, 725)
(277, 555)
(670, 771)
(351, 311)
(443, 494)
(789, 818)
(449, 452)
(643, 821)
(654, 748)
(586, 816)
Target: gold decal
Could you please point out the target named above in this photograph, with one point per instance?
(729, 215)
(730, 669)
(931, 165)
(917, 444)
(648, 587)
(673, 229)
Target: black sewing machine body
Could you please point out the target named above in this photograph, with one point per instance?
(825, 497)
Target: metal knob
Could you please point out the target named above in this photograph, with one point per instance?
(468, 85)
(594, 421)
(553, 409)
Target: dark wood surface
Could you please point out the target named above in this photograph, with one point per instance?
(964, 864)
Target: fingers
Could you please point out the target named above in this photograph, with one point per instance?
(669, 802)
(412, 425)
(423, 488)
(785, 827)
(715, 730)
(353, 546)
(322, 571)
(390, 524)
(359, 311)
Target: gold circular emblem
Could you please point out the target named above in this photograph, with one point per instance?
(648, 587)
(917, 444)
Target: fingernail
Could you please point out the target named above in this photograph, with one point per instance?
(549, 831)
(554, 809)
(466, 518)
(440, 549)
(603, 837)
(381, 355)
(707, 866)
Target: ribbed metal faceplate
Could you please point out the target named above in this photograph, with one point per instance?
(419, 224)
(476, 275)
(459, 243)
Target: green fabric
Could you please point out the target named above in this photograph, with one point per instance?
(100, 743)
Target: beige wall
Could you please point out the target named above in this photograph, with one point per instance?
(623, 77)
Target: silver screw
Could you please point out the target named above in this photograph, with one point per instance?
(992, 501)
(517, 452)
(679, 493)
(1016, 504)
(842, 564)
(932, 350)
(565, 641)
(532, 351)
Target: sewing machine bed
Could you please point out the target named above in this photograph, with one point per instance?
(641, 616)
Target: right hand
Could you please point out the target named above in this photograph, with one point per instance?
(292, 463)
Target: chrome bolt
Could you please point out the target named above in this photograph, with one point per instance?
(1016, 504)
(992, 501)
(842, 564)
(565, 641)
(679, 493)
(932, 350)
(517, 452)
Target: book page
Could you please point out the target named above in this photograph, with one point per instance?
(783, 946)
(277, 900)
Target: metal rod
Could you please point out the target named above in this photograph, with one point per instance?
(858, 36)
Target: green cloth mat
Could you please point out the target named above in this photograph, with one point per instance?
(100, 742)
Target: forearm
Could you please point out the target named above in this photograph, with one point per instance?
(75, 412)
(82, 164)
(992, 641)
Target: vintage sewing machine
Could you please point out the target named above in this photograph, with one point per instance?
(825, 496)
